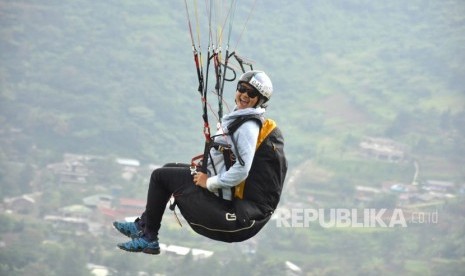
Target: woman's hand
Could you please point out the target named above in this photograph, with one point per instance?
(200, 179)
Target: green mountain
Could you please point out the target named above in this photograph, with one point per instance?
(117, 78)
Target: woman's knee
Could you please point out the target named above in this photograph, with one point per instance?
(155, 173)
(171, 178)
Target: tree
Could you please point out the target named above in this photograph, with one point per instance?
(400, 124)
(73, 261)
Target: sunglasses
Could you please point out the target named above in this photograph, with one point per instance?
(252, 93)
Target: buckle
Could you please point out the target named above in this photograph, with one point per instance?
(193, 169)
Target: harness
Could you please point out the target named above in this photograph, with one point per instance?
(229, 157)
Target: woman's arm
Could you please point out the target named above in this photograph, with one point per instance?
(246, 141)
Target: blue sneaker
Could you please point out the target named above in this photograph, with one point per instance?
(141, 245)
(129, 229)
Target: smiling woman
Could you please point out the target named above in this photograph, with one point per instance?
(214, 197)
(246, 96)
(253, 89)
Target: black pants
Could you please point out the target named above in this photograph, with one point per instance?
(207, 214)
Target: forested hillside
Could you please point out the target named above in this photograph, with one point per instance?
(120, 79)
(117, 79)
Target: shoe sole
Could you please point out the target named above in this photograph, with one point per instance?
(151, 251)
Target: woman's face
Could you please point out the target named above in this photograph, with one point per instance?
(246, 96)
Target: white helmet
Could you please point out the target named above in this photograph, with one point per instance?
(260, 81)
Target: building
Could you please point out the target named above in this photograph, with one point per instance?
(439, 186)
(24, 204)
(383, 149)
